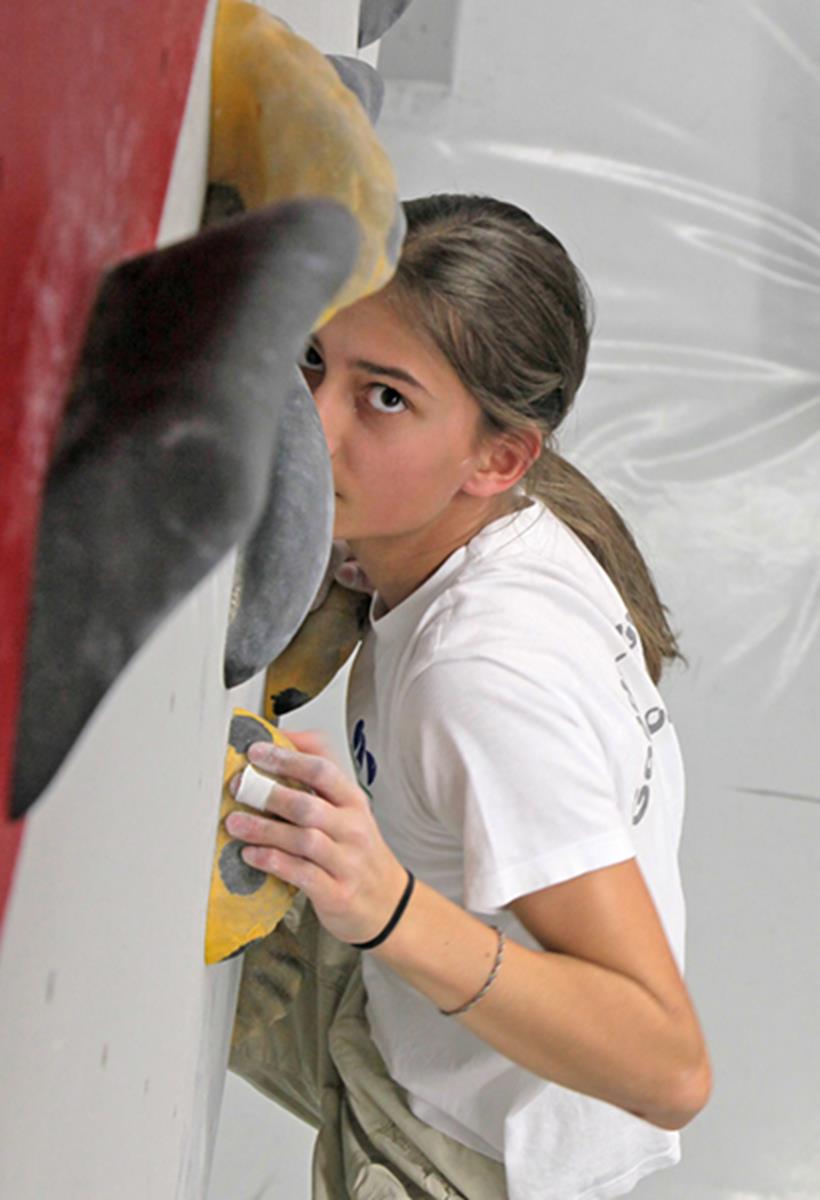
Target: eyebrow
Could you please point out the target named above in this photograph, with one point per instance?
(363, 364)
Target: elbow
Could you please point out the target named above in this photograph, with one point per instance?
(696, 1091)
(684, 1097)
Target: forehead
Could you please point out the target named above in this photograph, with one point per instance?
(374, 330)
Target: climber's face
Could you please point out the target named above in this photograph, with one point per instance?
(402, 430)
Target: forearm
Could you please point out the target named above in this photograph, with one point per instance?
(571, 1021)
(608, 1016)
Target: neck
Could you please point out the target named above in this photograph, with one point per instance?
(396, 566)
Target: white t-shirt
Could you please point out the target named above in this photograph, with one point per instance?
(502, 720)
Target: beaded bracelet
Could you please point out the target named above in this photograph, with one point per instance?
(499, 955)
(394, 920)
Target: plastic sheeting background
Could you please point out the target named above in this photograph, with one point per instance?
(674, 149)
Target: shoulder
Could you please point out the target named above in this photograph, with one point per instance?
(531, 636)
(535, 591)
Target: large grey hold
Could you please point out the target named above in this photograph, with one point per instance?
(166, 450)
(363, 81)
(376, 17)
(280, 568)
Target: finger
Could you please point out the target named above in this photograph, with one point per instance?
(351, 575)
(308, 843)
(306, 876)
(312, 741)
(272, 798)
(252, 788)
(324, 776)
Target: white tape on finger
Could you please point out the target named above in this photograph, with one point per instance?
(254, 788)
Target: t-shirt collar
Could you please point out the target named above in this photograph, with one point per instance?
(407, 613)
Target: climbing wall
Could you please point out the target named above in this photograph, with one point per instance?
(106, 1014)
(90, 134)
(113, 1033)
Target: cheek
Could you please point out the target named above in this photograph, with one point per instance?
(425, 481)
(408, 473)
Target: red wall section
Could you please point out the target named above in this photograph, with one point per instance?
(91, 99)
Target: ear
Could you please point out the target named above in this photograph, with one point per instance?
(503, 460)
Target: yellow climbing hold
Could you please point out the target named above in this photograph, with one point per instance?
(283, 126)
(244, 904)
(320, 647)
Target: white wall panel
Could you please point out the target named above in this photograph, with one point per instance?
(115, 1032)
(332, 25)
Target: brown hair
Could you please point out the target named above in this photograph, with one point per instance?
(500, 298)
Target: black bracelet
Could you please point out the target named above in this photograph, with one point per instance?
(394, 920)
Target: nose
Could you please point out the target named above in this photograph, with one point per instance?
(333, 412)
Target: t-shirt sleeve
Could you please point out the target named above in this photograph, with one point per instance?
(515, 761)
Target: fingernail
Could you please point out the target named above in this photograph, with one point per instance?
(234, 824)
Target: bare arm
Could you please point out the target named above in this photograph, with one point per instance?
(601, 1009)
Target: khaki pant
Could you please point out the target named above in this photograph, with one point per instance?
(301, 1037)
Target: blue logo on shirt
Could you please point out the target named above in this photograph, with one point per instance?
(365, 762)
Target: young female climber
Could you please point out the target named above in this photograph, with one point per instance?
(506, 863)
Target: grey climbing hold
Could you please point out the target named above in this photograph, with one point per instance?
(280, 568)
(376, 17)
(245, 731)
(239, 878)
(363, 80)
(395, 236)
(165, 454)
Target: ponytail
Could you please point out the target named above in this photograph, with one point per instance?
(574, 499)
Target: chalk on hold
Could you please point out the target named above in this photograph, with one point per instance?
(244, 904)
